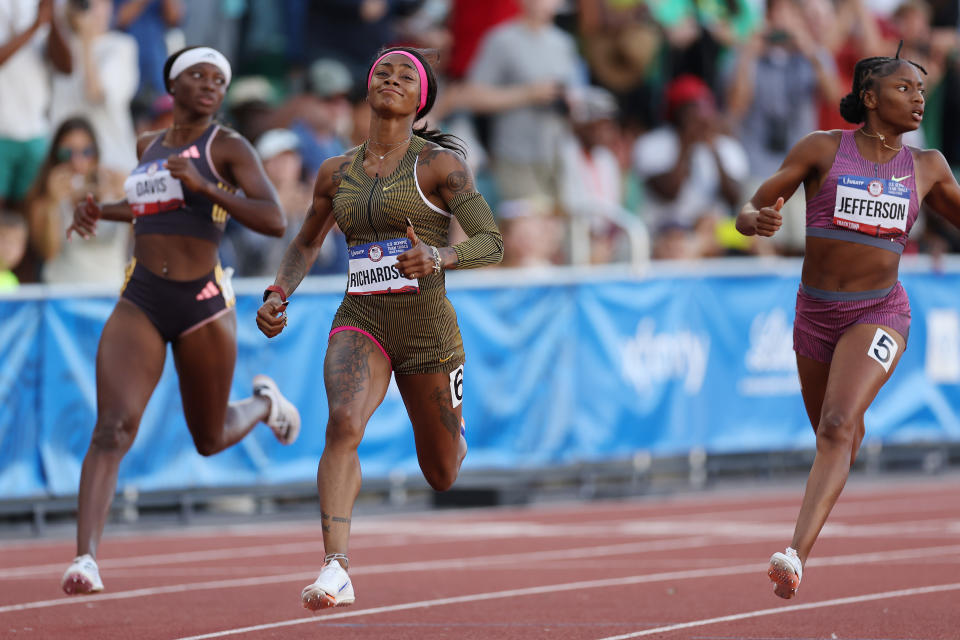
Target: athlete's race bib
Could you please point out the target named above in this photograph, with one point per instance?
(151, 189)
(873, 206)
(373, 269)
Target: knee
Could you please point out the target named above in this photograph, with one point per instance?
(344, 428)
(207, 446)
(113, 433)
(837, 428)
(440, 476)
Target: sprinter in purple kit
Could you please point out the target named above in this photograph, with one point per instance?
(864, 189)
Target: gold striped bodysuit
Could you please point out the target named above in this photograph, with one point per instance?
(417, 331)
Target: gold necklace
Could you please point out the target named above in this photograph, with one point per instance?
(392, 148)
(881, 137)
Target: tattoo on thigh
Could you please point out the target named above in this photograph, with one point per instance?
(349, 369)
(441, 396)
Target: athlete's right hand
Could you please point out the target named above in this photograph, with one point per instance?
(769, 219)
(85, 217)
(272, 315)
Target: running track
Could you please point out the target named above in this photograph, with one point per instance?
(887, 567)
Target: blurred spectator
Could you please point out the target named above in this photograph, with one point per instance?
(70, 171)
(352, 31)
(622, 45)
(148, 22)
(32, 37)
(322, 117)
(251, 103)
(469, 22)
(692, 171)
(13, 244)
(214, 23)
(700, 34)
(532, 237)
(102, 84)
(535, 62)
(780, 76)
(850, 31)
(257, 255)
(591, 182)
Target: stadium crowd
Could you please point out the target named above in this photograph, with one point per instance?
(599, 130)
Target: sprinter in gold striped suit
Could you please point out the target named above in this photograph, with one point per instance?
(393, 198)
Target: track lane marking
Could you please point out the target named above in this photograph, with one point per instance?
(899, 593)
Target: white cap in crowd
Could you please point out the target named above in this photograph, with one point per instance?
(276, 141)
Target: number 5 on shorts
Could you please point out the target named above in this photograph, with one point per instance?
(883, 349)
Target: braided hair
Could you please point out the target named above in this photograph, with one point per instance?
(445, 140)
(866, 71)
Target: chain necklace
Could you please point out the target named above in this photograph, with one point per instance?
(881, 137)
(392, 148)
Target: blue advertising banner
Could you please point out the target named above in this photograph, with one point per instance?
(559, 370)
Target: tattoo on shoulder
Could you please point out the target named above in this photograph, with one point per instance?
(429, 154)
(339, 173)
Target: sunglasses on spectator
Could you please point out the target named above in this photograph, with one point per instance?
(65, 153)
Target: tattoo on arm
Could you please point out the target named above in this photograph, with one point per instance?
(459, 182)
(293, 268)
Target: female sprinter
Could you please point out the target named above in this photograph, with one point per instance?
(393, 197)
(864, 189)
(178, 199)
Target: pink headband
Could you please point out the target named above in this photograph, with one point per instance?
(420, 71)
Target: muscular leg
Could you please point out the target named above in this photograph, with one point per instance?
(436, 426)
(853, 383)
(205, 359)
(356, 375)
(129, 363)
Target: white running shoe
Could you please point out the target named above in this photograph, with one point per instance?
(785, 572)
(82, 576)
(332, 588)
(284, 418)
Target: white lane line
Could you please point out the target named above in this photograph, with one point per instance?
(573, 586)
(511, 559)
(900, 593)
(426, 565)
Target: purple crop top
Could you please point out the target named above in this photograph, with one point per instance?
(865, 202)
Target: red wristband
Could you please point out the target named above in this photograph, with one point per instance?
(274, 288)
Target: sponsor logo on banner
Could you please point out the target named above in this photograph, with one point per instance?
(770, 358)
(651, 359)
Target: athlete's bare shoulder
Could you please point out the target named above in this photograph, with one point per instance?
(444, 171)
(146, 138)
(820, 142)
(332, 171)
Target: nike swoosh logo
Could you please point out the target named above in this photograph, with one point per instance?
(896, 179)
(442, 360)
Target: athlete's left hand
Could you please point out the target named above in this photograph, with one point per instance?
(417, 261)
(186, 172)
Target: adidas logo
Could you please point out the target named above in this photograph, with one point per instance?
(192, 152)
(209, 291)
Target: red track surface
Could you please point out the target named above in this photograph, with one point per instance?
(887, 566)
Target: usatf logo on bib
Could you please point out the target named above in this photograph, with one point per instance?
(873, 206)
(373, 269)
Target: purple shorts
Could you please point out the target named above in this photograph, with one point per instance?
(823, 316)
